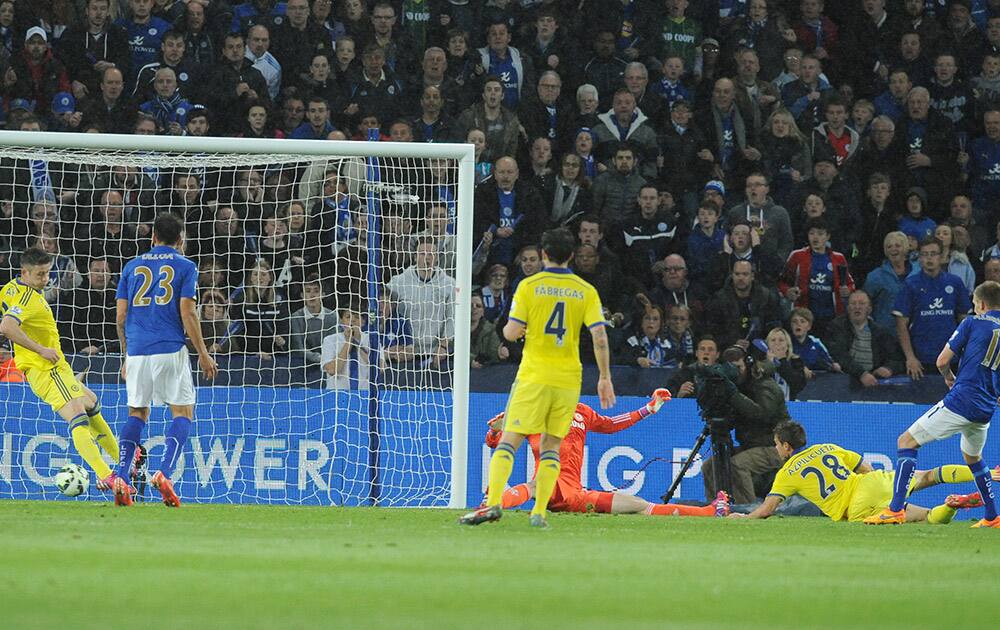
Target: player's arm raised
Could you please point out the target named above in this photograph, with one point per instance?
(602, 352)
(10, 328)
(189, 316)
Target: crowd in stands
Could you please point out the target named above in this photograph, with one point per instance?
(816, 181)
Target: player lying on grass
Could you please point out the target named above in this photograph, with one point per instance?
(155, 308)
(28, 323)
(845, 487)
(570, 495)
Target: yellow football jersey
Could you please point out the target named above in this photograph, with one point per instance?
(823, 474)
(29, 308)
(554, 304)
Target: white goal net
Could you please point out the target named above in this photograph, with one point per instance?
(333, 288)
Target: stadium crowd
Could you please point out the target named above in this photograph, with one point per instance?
(814, 181)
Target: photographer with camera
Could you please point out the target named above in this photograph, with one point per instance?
(745, 394)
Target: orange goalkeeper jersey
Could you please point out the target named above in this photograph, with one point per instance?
(571, 453)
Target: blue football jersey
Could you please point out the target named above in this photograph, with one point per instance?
(144, 40)
(976, 342)
(154, 284)
(931, 305)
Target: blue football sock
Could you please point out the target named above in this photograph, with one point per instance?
(985, 485)
(177, 436)
(128, 443)
(906, 465)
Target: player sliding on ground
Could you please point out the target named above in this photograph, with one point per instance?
(549, 309)
(28, 323)
(156, 305)
(570, 495)
(847, 488)
(966, 408)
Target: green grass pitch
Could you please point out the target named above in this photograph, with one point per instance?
(91, 565)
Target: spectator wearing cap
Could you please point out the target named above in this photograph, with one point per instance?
(91, 47)
(35, 74)
(64, 114)
(235, 84)
(502, 60)
(110, 109)
(760, 32)
(755, 97)
(685, 159)
(144, 32)
(188, 72)
(199, 121)
(714, 191)
(167, 106)
(625, 122)
(915, 223)
(961, 33)
(604, 70)
(296, 39)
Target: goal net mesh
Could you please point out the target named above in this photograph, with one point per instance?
(326, 295)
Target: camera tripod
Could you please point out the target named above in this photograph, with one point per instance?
(722, 452)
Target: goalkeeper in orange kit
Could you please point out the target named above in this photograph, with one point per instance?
(570, 495)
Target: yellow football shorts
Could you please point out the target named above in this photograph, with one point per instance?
(536, 408)
(872, 494)
(55, 386)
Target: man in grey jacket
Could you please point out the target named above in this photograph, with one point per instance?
(767, 218)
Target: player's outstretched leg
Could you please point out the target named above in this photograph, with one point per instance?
(486, 514)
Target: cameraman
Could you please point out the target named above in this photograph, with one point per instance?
(757, 405)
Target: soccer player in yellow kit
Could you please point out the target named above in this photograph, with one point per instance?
(845, 487)
(548, 309)
(28, 323)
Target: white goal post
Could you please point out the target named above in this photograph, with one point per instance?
(307, 465)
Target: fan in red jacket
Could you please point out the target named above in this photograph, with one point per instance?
(816, 277)
(570, 495)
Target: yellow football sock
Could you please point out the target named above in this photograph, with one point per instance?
(102, 433)
(545, 480)
(501, 465)
(954, 473)
(941, 515)
(83, 440)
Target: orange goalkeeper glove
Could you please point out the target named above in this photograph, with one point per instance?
(496, 430)
(660, 396)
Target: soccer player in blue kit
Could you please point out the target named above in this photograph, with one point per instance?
(156, 306)
(966, 408)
